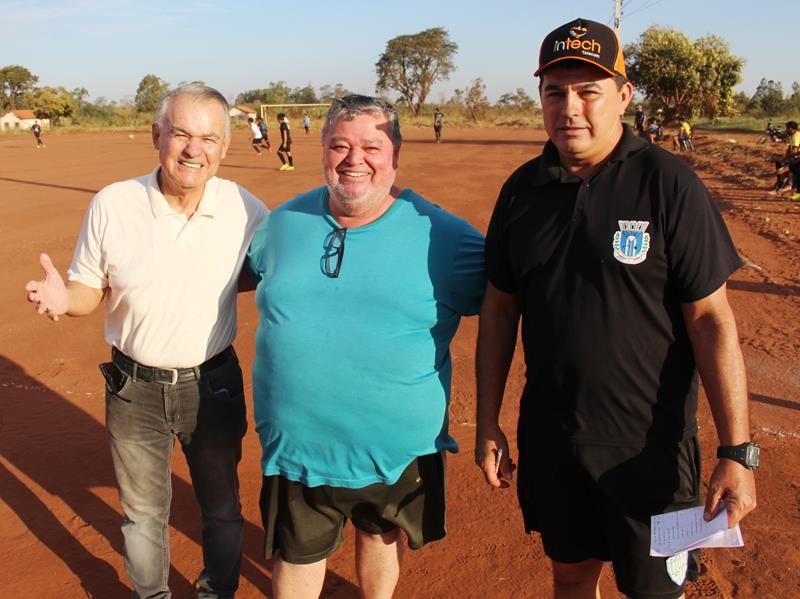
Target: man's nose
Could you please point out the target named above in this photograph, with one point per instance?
(193, 147)
(355, 156)
(572, 104)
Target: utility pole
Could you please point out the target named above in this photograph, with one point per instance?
(617, 15)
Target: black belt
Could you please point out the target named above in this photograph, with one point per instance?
(168, 376)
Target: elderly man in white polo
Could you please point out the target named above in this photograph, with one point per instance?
(164, 252)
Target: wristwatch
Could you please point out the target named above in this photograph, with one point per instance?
(747, 454)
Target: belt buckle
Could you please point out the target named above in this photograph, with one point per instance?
(174, 372)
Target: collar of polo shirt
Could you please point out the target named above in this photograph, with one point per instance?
(160, 206)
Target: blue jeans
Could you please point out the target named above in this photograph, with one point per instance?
(143, 419)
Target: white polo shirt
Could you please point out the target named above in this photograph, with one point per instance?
(170, 280)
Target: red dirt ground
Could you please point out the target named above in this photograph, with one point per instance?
(59, 514)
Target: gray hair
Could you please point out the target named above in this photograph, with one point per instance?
(354, 105)
(198, 91)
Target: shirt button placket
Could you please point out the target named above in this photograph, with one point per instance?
(580, 202)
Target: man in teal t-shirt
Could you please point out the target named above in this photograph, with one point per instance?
(361, 288)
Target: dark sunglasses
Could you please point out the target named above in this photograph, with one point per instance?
(334, 252)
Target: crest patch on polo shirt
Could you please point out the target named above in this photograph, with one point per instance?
(631, 242)
(677, 566)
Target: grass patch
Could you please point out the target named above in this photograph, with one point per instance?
(741, 124)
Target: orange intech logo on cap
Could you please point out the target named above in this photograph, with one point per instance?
(587, 46)
(578, 32)
(585, 40)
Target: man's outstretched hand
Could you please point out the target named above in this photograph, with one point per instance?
(49, 296)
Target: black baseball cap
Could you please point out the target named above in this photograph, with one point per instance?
(584, 40)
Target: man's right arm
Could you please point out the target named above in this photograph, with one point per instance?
(83, 299)
(497, 338)
(52, 297)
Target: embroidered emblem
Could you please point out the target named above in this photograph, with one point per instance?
(677, 565)
(631, 242)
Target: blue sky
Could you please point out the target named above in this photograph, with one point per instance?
(108, 46)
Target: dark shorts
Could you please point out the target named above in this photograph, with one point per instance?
(306, 523)
(595, 502)
(257, 141)
(287, 147)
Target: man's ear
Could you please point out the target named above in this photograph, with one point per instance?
(625, 96)
(396, 157)
(225, 145)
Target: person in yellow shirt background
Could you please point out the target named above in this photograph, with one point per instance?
(788, 167)
(683, 139)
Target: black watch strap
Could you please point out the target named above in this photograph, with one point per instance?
(747, 454)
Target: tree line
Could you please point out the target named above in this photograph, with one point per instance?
(684, 77)
(696, 78)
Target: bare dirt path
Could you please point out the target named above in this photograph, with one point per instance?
(59, 514)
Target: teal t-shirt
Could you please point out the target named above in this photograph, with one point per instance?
(351, 379)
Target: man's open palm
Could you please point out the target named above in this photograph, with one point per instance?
(49, 295)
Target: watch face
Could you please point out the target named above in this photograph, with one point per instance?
(752, 455)
(747, 454)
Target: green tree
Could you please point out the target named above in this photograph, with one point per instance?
(475, 99)
(100, 110)
(720, 72)
(149, 92)
(328, 93)
(276, 93)
(768, 98)
(683, 76)
(15, 83)
(411, 64)
(457, 99)
(740, 102)
(793, 101)
(52, 103)
(79, 95)
(252, 96)
(519, 100)
(304, 95)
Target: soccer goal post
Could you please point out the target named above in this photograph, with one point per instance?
(266, 107)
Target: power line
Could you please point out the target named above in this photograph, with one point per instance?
(643, 8)
(617, 18)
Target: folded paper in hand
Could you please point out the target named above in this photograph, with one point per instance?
(679, 531)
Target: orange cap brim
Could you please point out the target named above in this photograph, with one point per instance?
(586, 60)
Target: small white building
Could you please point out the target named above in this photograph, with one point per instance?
(21, 119)
(240, 111)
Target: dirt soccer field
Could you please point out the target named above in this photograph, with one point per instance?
(59, 513)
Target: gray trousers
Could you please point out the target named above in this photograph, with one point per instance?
(143, 419)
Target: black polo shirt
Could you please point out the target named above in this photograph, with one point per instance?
(602, 267)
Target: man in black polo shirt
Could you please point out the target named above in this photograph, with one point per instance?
(612, 252)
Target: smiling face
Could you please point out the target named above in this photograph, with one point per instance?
(359, 162)
(191, 142)
(582, 106)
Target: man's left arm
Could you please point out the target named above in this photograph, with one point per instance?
(467, 283)
(715, 341)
